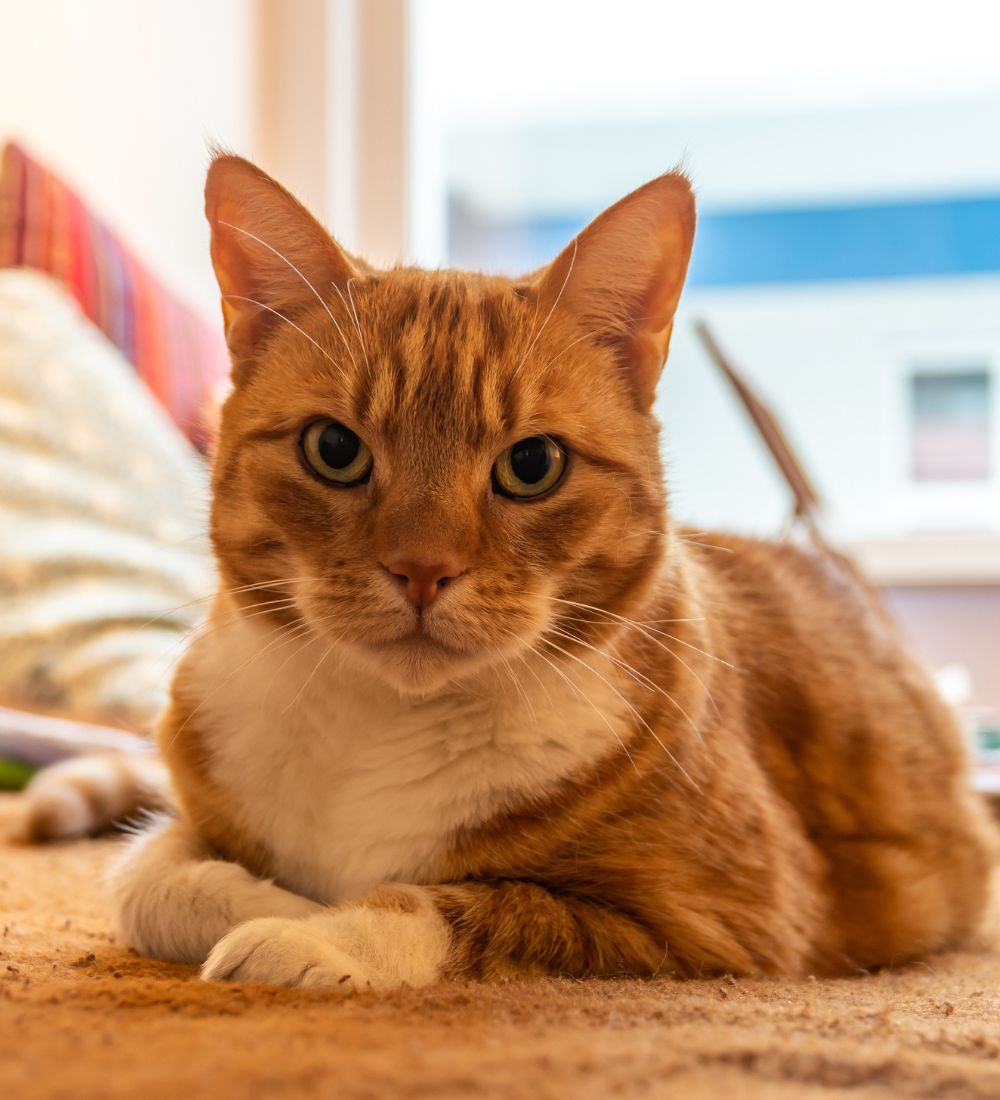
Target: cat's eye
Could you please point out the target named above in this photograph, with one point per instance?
(529, 468)
(336, 453)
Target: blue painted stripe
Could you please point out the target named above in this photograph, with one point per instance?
(801, 245)
(953, 237)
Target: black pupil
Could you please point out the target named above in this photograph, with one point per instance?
(338, 446)
(530, 460)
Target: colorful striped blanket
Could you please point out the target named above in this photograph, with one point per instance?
(46, 226)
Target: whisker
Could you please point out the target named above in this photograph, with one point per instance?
(305, 635)
(707, 545)
(357, 325)
(253, 301)
(634, 711)
(586, 698)
(213, 595)
(541, 682)
(514, 636)
(265, 607)
(631, 622)
(643, 622)
(316, 667)
(319, 297)
(548, 316)
(206, 627)
(354, 310)
(662, 645)
(287, 632)
(240, 668)
(649, 634)
(520, 689)
(270, 583)
(354, 319)
(687, 619)
(697, 649)
(640, 677)
(572, 344)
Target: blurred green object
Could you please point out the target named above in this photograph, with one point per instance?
(14, 774)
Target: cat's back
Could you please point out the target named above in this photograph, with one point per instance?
(799, 612)
(840, 712)
(853, 735)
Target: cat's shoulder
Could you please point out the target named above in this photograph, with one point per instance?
(743, 563)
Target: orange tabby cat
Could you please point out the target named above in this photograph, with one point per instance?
(470, 704)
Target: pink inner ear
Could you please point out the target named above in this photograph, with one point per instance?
(623, 276)
(268, 251)
(645, 355)
(667, 281)
(228, 258)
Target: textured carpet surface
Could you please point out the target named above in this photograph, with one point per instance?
(81, 1017)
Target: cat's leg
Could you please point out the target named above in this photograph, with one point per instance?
(413, 935)
(174, 900)
(88, 794)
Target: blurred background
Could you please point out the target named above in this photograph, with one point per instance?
(846, 159)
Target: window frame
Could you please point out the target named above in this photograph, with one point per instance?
(950, 505)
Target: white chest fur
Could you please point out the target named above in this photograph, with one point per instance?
(349, 784)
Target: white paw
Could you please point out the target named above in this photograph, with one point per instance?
(278, 951)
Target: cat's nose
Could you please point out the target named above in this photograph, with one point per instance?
(421, 581)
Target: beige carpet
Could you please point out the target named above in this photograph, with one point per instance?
(80, 1017)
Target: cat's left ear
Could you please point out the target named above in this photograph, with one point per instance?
(622, 277)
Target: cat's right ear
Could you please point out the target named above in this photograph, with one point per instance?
(622, 277)
(269, 253)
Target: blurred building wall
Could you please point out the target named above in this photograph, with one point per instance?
(836, 361)
(955, 626)
(121, 98)
(124, 97)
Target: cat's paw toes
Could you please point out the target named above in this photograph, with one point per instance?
(277, 951)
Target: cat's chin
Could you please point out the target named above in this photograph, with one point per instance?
(418, 665)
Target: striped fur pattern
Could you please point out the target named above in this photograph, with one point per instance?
(608, 746)
(88, 794)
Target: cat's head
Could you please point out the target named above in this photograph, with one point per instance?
(438, 470)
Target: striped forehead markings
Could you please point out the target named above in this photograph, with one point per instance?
(438, 351)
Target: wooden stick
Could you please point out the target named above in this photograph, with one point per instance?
(807, 502)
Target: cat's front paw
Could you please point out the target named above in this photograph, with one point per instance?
(279, 951)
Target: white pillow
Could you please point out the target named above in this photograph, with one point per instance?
(104, 567)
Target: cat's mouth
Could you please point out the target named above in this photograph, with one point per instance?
(420, 662)
(417, 641)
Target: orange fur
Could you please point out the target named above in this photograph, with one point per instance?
(790, 795)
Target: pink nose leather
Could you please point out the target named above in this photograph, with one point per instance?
(420, 581)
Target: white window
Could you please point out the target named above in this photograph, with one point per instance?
(951, 424)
